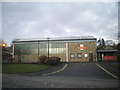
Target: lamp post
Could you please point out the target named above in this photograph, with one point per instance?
(48, 47)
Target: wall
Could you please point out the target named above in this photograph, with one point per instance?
(73, 48)
(34, 58)
(26, 58)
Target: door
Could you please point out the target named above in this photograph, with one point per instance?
(90, 57)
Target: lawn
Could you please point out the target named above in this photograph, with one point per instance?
(22, 68)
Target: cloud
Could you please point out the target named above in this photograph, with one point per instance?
(36, 20)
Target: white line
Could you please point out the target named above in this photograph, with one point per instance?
(106, 71)
(57, 70)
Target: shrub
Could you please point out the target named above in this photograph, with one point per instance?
(42, 59)
(53, 60)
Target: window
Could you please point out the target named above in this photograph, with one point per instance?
(85, 55)
(57, 48)
(79, 55)
(72, 55)
(32, 48)
(81, 45)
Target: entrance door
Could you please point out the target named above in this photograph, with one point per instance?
(90, 57)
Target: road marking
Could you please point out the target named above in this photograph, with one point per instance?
(57, 70)
(106, 71)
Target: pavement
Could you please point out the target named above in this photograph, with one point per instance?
(111, 66)
(74, 75)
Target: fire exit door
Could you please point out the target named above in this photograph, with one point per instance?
(90, 57)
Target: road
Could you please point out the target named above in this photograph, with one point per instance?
(75, 75)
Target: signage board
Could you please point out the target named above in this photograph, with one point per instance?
(81, 48)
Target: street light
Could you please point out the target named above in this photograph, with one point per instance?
(4, 45)
(48, 47)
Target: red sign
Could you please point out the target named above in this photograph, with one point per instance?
(81, 48)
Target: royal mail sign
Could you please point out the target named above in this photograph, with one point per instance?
(81, 48)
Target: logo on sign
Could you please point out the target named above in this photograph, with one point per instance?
(81, 47)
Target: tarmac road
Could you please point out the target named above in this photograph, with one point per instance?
(75, 75)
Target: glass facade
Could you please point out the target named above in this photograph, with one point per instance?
(41, 48)
(57, 48)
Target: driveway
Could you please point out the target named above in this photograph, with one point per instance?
(75, 75)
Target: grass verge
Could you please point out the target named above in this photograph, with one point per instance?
(22, 68)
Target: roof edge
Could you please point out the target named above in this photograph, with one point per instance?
(56, 39)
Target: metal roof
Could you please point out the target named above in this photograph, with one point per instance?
(56, 38)
(112, 50)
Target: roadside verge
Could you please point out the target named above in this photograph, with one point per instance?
(51, 70)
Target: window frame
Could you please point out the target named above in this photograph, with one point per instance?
(78, 55)
(72, 54)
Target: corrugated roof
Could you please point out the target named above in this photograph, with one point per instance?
(112, 50)
(56, 38)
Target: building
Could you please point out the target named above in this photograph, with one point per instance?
(107, 55)
(69, 49)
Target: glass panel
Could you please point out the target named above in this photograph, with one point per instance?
(43, 48)
(57, 48)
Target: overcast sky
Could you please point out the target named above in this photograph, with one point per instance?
(50, 19)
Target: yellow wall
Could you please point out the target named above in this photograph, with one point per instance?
(73, 48)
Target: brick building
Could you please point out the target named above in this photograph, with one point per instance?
(69, 49)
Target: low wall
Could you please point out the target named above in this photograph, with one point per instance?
(34, 58)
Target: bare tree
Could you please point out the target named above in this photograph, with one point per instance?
(110, 44)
